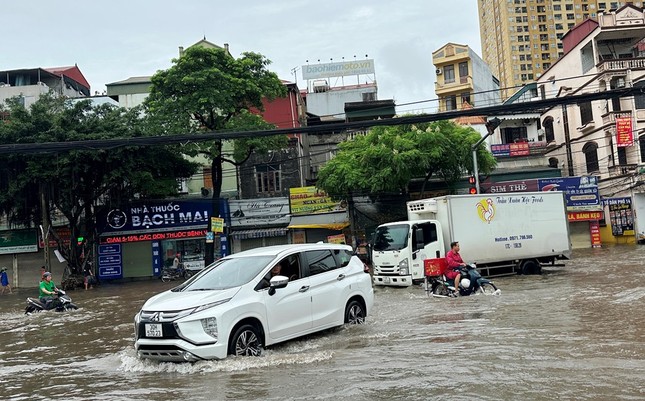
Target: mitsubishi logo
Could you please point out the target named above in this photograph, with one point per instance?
(155, 317)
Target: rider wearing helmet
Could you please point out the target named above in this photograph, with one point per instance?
(47, 290)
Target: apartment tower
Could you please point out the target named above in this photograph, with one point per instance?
(522, 38)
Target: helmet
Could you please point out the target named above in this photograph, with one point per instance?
(45, 274)
(465, 283)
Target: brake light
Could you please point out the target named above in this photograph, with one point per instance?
(366, 268)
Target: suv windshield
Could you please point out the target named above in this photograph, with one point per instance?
(391, 238)
(229, 273)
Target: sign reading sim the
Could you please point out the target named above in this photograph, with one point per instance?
(486, 210)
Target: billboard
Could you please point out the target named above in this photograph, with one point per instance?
(259, 212)
(342, 69)
(310, 200)
(581, 193)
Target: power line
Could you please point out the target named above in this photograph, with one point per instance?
(506, 109)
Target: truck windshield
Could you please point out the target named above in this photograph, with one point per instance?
(391, 238)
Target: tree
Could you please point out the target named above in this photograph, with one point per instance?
(388, 157)
(209, 90)
(74, 183)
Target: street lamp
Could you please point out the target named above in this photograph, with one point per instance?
(491, 125)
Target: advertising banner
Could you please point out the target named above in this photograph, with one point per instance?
(620, 216)
(159, 216)
(530, 185)
(624, 135)
(581, 193)
(260, 212)
(310, 200)
(336, 239)
(342, 69)
(594, 228)
(584, 216)
(18, 241)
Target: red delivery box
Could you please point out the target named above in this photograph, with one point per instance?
(435, 267)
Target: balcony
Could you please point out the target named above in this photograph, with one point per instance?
(621, 65)
(609, 119)
(459, 84)
(622, 169)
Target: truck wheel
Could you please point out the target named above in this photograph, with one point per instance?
(531, 267)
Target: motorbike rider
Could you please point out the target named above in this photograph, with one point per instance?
(455, 263)
(47, 290)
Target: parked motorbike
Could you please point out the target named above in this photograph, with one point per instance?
(471, 282)
(171, 273)
(60, 303)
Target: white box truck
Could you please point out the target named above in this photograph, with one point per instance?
(502, 233)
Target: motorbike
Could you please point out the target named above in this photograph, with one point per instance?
(471, 282)
(171, 273)
(60, 303)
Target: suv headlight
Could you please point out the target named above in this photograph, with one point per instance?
(403, 267)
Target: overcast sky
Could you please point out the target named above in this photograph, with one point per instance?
(113, 40)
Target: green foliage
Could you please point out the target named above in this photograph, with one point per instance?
(388, 157)
(207, 89)
(75, 182)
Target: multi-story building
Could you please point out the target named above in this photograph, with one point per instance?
(463, 78)
(30, 83)
(602, 139)
(521, 39)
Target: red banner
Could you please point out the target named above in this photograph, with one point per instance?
(584, 216)
(624, 135)
(594, 228)
(519, 149)
(153, 236)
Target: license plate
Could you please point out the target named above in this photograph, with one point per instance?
(154, 330)
(386, 280)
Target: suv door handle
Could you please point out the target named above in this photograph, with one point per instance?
(304, 288)
(340, 277)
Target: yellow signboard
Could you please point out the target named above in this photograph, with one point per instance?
(309, 200)
(336, 239)
(217, 225)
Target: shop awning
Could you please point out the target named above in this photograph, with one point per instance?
(329, 226)
(259, 233)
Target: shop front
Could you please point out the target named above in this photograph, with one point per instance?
(584, 209)
(316, 217)
(259, 222)
(142, 239)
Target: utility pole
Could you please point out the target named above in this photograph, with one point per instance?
(491, 125)
(567, 139)
(44, 228)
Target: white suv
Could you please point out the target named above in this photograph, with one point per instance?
(244, 301)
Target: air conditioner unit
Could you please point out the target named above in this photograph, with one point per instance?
(439, 71)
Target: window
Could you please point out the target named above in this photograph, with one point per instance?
(451, 103)
(586, 113)
(548, 129)
(591, 157)
(463, 69)
(320, 261)
(622, 156)
(268, 178)
(514, 134)
(641, 144)
(449, 74)
(639, 99)
(465, 98)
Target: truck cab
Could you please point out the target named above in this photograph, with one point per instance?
(399, 249)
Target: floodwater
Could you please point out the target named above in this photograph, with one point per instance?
(576, 332)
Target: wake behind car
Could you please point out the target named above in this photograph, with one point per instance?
(255, 298)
